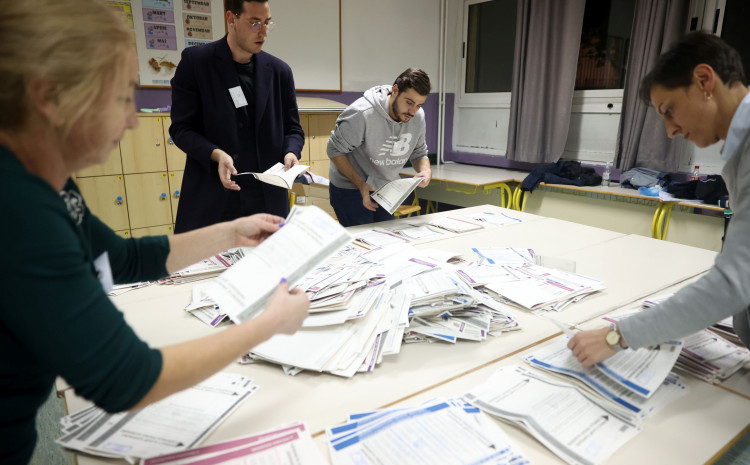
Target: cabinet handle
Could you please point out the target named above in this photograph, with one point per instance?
(118, 200)
(177, 194)
(158, 144)
(163, 196)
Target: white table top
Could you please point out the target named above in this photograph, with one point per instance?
(630, 266)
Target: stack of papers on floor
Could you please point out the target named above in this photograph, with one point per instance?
(442, 432)
(284, 445)
(173, 424)
(572, 423)
(710, 357)
(622, 383)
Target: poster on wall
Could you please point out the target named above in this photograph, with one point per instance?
(164, 28)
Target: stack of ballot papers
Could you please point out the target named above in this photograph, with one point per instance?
(118, 289)
(208, 268)
(540, 289)
(454, 225)
(173, 424)
(575, 425)
(625, 384)
(284, 445)
(445, 432)
(710, 357)
(375, 238)
(725, 329)
(706, 354)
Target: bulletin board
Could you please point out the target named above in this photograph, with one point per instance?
(164, 28)
(307, 37)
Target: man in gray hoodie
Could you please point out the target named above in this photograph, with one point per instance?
(372, 140)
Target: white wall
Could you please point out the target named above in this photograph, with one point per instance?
(381, 38)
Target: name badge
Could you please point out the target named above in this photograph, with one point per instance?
(104, 272)
(238, 97)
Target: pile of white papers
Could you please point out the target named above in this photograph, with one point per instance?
(175, 423)
(118, 289)
(629, 404)
(498, 219)
(283, 445)
(308, 237)
(542, 289)
(572, 423)
(710, 357)
(725, 329)
(375, 238)
(443, 432)
(454, 225)
(208, 268)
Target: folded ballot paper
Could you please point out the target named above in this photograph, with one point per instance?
(284, 445)
(571, 422)
(439, 431)
(173, 424)
(390, 196)
(308, 237)
(276, 175)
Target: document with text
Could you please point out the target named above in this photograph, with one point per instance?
(393, 194)
(276, 175)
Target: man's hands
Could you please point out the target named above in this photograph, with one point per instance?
(226, 169)
(290, 160)
(427, 175)
(365, 189)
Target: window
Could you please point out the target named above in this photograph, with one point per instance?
(488, 46)
(605, 38)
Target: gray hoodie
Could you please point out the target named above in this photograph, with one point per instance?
(375, 144)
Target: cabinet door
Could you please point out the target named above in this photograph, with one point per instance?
(304, 121)
(142, 149)
(175, 156)
(148, 200)
(105, 197)
(112, 166)
(175, 186)
(154, 231)
(320, 167)
(320, 127)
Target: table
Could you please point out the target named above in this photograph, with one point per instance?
(156, 313)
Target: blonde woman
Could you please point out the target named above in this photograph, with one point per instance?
(67, 77)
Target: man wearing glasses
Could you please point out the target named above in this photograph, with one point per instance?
(234, 110)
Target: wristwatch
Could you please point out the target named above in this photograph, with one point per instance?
(613, 337)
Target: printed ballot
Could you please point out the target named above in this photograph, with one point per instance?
(393, 194)
(276, 175)
(308, 237)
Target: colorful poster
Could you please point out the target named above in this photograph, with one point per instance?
(197, 6)
(125, 9)
(159, 4)
(159, 30)
(161, 43)
(158, 16)
(191, 19)
(194, 42)
(193, 32)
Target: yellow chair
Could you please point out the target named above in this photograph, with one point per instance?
(406, 210)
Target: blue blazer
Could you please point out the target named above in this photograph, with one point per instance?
(204, 118)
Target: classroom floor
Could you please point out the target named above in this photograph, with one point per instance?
(47, 451)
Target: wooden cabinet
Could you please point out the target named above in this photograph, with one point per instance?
(137, 191)
(134, 193)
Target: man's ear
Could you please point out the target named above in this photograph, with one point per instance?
(394, 89)
(705, 77)
(230, 18)
(44, 98)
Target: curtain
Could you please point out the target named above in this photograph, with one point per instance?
(548, 37)
(641, 138)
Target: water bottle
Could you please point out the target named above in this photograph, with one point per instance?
(607, 174)
(695, 175)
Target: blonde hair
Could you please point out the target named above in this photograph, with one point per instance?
(79, 46)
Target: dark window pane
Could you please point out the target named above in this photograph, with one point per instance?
(489, 46)
(605, 39)
(734, 29)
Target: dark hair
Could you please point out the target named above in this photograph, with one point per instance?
(235, 6)
(414, 78)
(674, 68)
